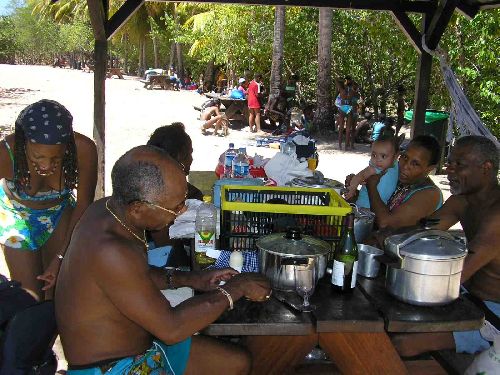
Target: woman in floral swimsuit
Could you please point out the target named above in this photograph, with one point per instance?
(43, 163)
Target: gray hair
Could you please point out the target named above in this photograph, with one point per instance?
(135, 179)
(481, 147)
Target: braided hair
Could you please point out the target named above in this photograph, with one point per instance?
(69, 165)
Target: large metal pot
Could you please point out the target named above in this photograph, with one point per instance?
(363, 223)
(426, 267)
(281, 253)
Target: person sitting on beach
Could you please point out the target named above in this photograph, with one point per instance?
(416, 196)
(377, 128)
(43, 162)
(472, 171)
(213, 118)
(363, 129)
(110, 312)
(383, 161)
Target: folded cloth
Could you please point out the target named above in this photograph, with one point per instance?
(282, 168)
(184, 224)
(250, 261)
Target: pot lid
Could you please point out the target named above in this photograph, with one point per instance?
(293, 244)
(316, 183)
(434, 245)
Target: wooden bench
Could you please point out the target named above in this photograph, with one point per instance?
(114, 72)
(162, 81)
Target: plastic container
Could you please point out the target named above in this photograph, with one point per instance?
(288, 148)
(229, 155)
(249, 212)
(241, 165)
(205, 229)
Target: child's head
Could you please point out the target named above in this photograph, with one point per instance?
(384, 152)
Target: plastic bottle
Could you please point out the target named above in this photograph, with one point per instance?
(204, 237)
(289, 148)
(229, 155)
(241, 165)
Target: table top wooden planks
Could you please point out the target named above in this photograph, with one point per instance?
(460, 315)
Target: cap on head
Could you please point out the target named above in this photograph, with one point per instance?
(241, 80)
(46, 122)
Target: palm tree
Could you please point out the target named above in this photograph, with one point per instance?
(323, 115)
(278, 42)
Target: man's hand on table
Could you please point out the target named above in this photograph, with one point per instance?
(253, 286)
(207, 280)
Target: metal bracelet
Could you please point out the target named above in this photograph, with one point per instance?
(228, 296)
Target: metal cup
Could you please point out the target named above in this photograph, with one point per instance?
(368, 266)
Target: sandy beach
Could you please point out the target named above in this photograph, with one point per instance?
(132, 114)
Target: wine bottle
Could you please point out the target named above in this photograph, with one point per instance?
(345, 260)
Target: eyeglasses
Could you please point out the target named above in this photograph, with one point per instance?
(175, 213)
(166, 209)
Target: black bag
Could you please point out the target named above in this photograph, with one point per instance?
(27, 332)
(13, 299)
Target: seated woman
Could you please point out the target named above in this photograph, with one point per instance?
(38, 211)
(416, 196)
(174, 140)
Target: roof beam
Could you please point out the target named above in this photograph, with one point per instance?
(409, 29)
(467, 10)
(439, 22)
(418, 6)
(121, 16)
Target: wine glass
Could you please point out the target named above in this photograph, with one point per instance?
(304, 286)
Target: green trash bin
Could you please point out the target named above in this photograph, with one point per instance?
(436, 124)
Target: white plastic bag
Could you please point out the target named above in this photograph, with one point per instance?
(283, 168)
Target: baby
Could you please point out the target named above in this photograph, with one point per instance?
(383, 161)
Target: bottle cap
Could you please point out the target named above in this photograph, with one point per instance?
(207, 199)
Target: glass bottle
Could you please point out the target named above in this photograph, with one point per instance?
(345, 260)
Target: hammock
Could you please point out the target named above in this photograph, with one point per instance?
(462, 114)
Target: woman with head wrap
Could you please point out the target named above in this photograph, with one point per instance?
(42, 165)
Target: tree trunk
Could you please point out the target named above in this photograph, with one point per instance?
(180, 62)
(144, 62)
(155, 52)
(172, 54)
(278, 42)
(208, 77)
(323, 117)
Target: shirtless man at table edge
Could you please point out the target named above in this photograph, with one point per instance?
(110, 311)
(475, 202)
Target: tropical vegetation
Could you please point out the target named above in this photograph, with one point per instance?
(204, 38)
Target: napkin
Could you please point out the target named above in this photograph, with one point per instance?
(184, 224)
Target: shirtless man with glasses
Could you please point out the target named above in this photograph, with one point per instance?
(110, 311)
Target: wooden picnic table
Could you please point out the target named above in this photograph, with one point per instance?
(235, 109)
(351, 329)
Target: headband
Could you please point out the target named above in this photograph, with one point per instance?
(47, 122)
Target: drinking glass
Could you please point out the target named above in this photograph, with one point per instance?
(304, 285)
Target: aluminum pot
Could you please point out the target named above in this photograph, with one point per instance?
(426, 267)
(363, 223)
(280, 253)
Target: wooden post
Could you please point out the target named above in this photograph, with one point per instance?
(422, 85)
(100, 57)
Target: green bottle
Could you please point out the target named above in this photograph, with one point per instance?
(345, 260)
